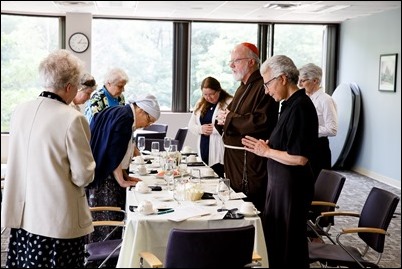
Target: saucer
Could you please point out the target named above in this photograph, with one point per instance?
(250, 214)
(154, 211)
(143, 174)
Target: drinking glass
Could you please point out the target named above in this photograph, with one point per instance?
(166, 143)
(141, 143)
(224, 191)
(173, 148)
(169, 175)
(155, 148)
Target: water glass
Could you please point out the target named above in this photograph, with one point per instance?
(155, 148)
(141, 143)
(169, 175)
(224, 191)
(173, 148)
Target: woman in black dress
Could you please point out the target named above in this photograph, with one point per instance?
(290, 185)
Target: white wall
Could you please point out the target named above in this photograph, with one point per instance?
(362, 41)
(176, 121)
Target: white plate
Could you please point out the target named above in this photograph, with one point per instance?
(163, 198)
(176, 176)
(208, 202)
(161, 183)
(142, 174)
(150, 213)
(144, 192)
(250, 214)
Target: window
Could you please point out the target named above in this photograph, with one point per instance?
(302, 43)
(143, 49)
(25, 41)
(211, 44)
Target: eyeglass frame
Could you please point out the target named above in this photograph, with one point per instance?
(150, 121)
(237, 60)
(303, 80)
(266, 84)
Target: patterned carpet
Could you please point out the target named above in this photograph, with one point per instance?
(352, 198)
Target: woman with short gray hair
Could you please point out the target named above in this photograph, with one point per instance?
(310, 80)
(288, 151)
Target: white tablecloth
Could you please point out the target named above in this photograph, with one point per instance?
(150, 233)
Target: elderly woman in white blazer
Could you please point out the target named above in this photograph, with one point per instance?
(209, 144)
(49, 164)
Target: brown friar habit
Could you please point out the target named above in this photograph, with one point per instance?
(253, 113)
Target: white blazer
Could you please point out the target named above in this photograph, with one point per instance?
(216, 147)
(50, 162)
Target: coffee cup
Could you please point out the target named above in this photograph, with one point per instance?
(191, 159)
(145, 207)
(142, 187)
(142, 170)
(186, 149)
(248, 208)
(138, 160)
(209, 172)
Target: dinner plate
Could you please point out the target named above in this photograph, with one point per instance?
(208, 202)
(250, 214)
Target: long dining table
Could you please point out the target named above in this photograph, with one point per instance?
(150, 232)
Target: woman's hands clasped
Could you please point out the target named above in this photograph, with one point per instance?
(256, 146)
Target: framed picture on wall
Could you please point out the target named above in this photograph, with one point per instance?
(387, 79)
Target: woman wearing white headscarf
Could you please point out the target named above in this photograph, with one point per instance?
(111, 143)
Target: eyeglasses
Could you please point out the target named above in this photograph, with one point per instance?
(209, 94)
(237, 60)
(150, 121)
(303, 80)
(266, 84)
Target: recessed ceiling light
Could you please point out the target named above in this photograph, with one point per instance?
(282, 5)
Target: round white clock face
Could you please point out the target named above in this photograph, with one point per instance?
(78, 42)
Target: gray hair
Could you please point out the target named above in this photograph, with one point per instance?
(281, 65)
(115, 75)
(311, 71)
(60, 68)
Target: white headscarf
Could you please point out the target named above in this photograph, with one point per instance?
(149, 104)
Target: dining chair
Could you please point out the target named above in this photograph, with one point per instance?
(207, 248)
(148, 143)
(157, 127)
(373, 222)
(105, 252)
(327, 190)
(181, 137)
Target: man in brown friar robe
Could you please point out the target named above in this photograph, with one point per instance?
(253, 113)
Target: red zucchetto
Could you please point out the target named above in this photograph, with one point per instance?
(251, 46)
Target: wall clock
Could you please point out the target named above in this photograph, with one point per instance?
(78, 42)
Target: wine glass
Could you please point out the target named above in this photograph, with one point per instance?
(224, 191)
(166, 143)
(141, 143)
